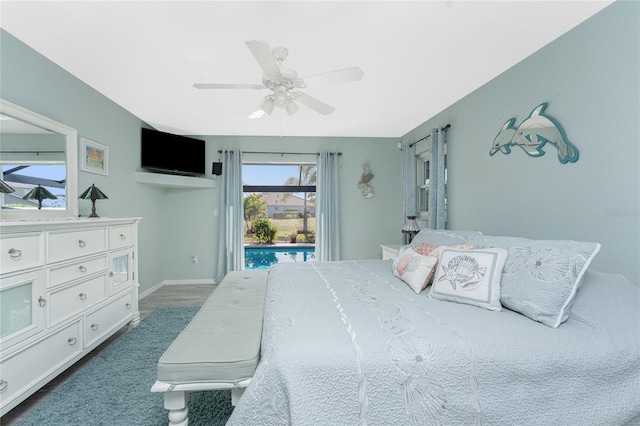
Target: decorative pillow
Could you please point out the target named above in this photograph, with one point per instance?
(541, 277)
(470, 276)
(443, 237)
(430, 250)
(413, 268)
(426, 249)
(410, 266)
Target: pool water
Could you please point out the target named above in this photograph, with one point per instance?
(265, 257)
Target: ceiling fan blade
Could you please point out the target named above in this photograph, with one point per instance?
(228, 86)
(263, 54)
(339, 76)
(313, 103)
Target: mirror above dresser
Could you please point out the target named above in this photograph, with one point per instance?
(37, 151)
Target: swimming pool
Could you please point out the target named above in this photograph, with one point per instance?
(264, 257)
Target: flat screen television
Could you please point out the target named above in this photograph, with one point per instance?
(168, 153)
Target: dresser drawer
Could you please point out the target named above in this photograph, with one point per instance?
(24, 369)
(76, 270)
(107, 318)
(21, 251)
(120, 236)
(69, 301)
(72, 244)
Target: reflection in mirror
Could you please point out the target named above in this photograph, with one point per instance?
(32, 156)
(35, 150)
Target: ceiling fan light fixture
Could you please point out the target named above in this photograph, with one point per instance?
(283, 81)
(267, 104)
(280, 96)
(292, 107)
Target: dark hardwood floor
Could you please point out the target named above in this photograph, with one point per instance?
(166, 296)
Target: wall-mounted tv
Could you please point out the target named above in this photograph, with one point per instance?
(169, 153)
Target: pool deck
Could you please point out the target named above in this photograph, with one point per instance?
(280, 245)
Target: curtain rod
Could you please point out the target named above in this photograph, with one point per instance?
(444, 129)
(280, 153)
(32, 152)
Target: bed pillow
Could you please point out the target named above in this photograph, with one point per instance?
(470, 276)
(444, 237)
(431, 250)
(415, 265)
(541, 277)
(413, 268)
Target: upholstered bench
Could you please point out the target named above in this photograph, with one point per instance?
(219, 349)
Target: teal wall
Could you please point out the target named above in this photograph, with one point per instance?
(179, 223)
(31, 81)
(365, 223)
(590, 78)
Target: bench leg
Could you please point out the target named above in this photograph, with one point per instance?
(176, 403)
(236, 393)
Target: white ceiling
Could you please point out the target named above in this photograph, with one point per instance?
(418, 57)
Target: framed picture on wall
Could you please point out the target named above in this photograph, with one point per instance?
(94, 157)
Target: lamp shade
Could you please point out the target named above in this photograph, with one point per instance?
(292, 107)
(5, 188)
(93, 193)
(267, 105)
(39, 193)
(410, 228)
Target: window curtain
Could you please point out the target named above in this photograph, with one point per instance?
(327, 208)
(436, 180)
(409, 180)
(231, 224)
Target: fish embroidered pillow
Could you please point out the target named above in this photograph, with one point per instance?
(413, 268)
(470, 276)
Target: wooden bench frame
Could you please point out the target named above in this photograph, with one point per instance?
(176, 396)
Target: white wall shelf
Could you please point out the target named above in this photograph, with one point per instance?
(173, 181)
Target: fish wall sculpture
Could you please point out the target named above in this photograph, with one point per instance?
(532, 136)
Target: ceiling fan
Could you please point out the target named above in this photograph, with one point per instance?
(283, 82)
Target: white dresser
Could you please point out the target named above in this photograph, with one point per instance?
(65, 287)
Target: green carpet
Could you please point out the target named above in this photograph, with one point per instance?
(114, 387)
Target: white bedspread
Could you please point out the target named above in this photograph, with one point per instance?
(346, 343)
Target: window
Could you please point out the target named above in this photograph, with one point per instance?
(285, 194)
(422, 174)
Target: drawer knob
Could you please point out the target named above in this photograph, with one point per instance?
(94, 326)
(123, 237)
(82, 296)
(3, 385)
(82, 268)
(128, 306)
(15, 253)
(81, 243)
(42, 301)
(72, 341)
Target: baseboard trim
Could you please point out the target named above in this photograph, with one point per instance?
(150, 290)
(174, 282)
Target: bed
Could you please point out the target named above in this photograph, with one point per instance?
(350, 343)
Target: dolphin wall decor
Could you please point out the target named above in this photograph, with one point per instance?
(533, 134)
